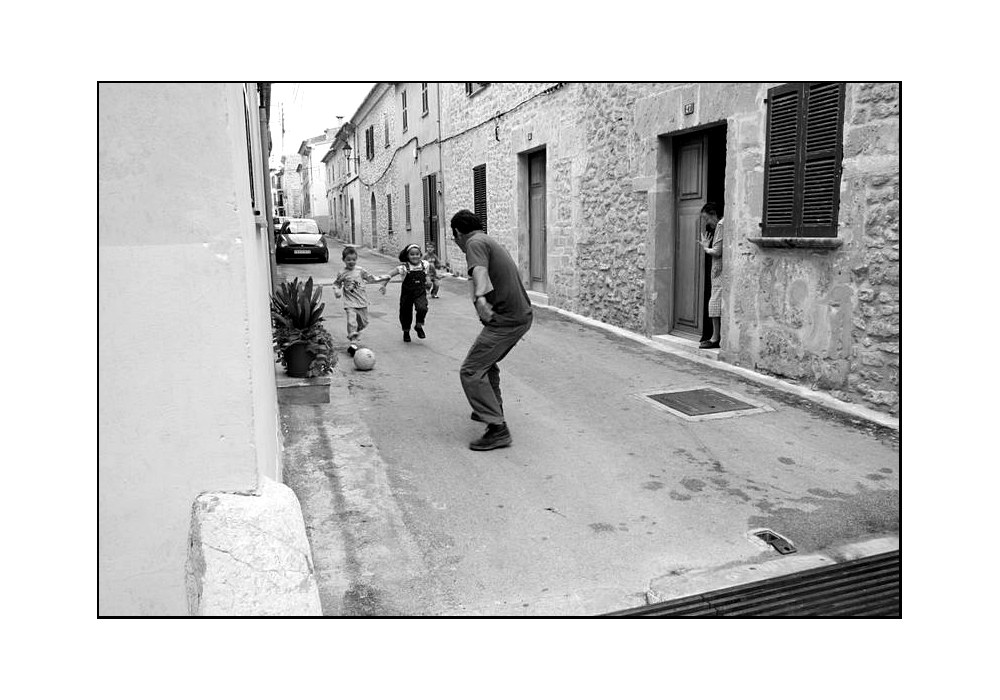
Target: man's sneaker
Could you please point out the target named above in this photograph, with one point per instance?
(496, 435)
(406, 336)
(420, 331)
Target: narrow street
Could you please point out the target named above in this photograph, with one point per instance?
(602, 491)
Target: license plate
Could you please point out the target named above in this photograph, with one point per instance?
(302, 252)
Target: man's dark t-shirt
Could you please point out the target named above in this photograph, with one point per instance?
(511, 306)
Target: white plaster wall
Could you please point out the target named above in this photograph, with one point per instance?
(186, 384)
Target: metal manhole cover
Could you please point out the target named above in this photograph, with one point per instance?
(700, 402)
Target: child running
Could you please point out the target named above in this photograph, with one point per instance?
(432, 257)
(413, 295)
(352, 280)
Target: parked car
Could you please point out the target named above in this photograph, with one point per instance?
(300, 239)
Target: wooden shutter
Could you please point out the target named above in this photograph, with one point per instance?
(388, 209)
(479, 192)
(406, 202)
(804, 152)
(427, 209)
(821, 159)
(423, 97)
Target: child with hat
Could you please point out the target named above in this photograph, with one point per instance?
(413, 294)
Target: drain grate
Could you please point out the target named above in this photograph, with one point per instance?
(867, 587)
(780, 544)
(700, 402)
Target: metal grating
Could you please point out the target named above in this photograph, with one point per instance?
(700, 402)
(868, 587)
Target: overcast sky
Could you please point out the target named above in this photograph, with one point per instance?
(309, 109)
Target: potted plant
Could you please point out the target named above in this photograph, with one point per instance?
(301, 342)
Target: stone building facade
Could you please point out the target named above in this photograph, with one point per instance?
(291, 185)
(395, 182)
(611, 195)
(315, 204)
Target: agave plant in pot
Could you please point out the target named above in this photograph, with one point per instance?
(301, 342)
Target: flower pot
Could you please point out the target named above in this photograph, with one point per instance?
(297, 360)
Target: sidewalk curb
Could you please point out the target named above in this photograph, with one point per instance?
(672, 586)
(801, 392)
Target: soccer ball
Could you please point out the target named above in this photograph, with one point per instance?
(364, 359)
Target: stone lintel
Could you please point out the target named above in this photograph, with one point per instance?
(793, 242)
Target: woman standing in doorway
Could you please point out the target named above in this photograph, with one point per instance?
(711, 242)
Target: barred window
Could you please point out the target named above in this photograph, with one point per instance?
(423, 98)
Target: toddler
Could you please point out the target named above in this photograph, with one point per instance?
(352, 280)
(413, 295)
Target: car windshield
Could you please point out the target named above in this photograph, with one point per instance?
(303, 227)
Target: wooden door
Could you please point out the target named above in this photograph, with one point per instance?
(690, 170)
(430, 211)
(536, 221)
(352, 221)
(374, 223)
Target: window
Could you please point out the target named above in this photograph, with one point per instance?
(370, 142)
(404, 110)
(472, 88)
(385, 123)
(388, 208)
(803, 165)
(406, 204)
(423, 99)
(479, 192)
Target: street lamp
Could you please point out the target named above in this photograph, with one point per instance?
(347, 155)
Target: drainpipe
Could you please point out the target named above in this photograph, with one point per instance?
(265, 153)
(441, 181)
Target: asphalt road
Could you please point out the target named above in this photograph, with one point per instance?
(601, 492)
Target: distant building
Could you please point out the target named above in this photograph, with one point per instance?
(315, 184)
(291, 181)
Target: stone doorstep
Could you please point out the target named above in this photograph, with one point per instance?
(698, 581)
(686, 345)
(301, 390)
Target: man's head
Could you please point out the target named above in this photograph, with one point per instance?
(462, 225)
(350, 257)
(710, 215)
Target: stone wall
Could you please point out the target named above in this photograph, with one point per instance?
(826, 319)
